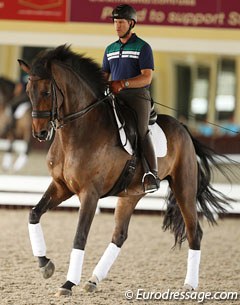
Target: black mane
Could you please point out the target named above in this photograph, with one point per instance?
(6, 82)
(85, 67)
(6, 89)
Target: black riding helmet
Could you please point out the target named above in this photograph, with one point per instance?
(124, 11)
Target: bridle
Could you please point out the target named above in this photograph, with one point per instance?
(56, 121)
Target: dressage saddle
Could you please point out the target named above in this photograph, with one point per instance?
(128, 119)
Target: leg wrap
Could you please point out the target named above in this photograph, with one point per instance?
(193, 268)
(75, 266)
(37, 239)
(106, 261)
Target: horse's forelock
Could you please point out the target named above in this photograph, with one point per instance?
(40, 68)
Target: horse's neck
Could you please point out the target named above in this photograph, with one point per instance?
(76, 98)
(95, 124)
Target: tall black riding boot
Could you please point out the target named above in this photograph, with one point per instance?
(150, 180)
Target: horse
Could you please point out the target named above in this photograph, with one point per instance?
(15, 127)
(68, 95)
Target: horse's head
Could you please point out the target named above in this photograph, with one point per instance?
(61, 75)
(41, 93)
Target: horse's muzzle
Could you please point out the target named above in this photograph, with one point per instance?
(43, 135)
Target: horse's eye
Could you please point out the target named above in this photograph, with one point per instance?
(46, 93)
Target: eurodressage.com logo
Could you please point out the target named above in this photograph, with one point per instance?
(198, 296)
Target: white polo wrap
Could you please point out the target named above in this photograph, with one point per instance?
(106, 261)
(193, 268)
(75, 266)
(37, 239)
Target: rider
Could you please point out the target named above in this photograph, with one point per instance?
(19, 96)
(130, 63)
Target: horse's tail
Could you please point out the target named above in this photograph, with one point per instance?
(209, 200)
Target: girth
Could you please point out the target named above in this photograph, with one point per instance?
(124, 179)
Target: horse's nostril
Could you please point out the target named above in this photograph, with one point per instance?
(41, 135)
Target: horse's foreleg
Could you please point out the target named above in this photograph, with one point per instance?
(8, 156)
(7, 161)
(20, 162)
(123, 213)
(87, 212)
(52, 198)
(22, 150)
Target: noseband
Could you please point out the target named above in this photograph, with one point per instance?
(56, 121)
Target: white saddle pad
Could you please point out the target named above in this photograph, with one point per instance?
(157, 134)
(21, 110)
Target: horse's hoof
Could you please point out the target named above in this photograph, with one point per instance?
(90, 286)
(188, 287)
(63, 292)
(48, 270)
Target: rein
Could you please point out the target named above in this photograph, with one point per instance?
(56, 121)
(79, 114)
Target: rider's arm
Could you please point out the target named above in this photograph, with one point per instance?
(106, 75)
(140, 81)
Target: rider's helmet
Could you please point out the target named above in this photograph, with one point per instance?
(124, 11)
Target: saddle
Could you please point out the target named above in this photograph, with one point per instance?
(128, 121)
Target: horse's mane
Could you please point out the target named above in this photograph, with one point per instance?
(85, 67)
(6, 82)
(6, 88)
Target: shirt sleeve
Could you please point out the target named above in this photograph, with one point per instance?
(105, 63)
(146, 57)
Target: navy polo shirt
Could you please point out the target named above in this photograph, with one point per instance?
(127, 60)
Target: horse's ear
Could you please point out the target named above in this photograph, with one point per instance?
(24, 66)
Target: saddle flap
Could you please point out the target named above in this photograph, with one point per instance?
(126, 121)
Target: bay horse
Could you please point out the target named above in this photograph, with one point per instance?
(15, 127)
(67, 91)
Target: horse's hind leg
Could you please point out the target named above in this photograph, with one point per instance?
(123, 213)
(185, 190)
(194, 236)
(54, 195)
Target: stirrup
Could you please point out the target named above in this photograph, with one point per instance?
(151, 184)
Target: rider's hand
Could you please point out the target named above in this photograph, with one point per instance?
(116, 86)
